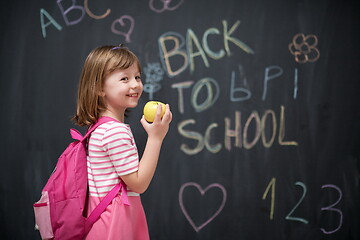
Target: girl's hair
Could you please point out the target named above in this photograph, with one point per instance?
(99, 63)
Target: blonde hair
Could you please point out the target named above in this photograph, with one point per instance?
(99, 63)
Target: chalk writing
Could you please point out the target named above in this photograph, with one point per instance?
(295, 83)
(237, 93)
(281, 135)
(253, 116)
(201, 141)
(276, 73)
(72, 8)
(51, 21)
(75, 13)
(86, 5)
(178, 42)
(180, 87)
(166, 5)
(154, 74)
(213, 92)
(245, 93)
(304, 48)
(269, 77)
(126, 27)
(211, 97)
(289, 217)
(271, 185)
(241, 136)
(195, 49)
(266, 143)
(202, 192)
(332, 209)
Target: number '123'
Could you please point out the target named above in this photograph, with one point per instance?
(290, 216)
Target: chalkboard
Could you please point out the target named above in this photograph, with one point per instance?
(264, 142)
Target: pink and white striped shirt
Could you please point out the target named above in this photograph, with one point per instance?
(112, 153)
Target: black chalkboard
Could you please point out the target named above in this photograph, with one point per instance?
(264, 142)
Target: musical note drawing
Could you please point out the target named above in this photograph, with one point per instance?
(304, 48)
(202, 192)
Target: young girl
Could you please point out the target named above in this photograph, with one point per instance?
(110, 83)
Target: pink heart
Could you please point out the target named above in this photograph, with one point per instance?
(202, 191)
(123, 24)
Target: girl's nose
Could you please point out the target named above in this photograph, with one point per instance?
(135, 83)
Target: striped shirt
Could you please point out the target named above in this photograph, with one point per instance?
(112, 153)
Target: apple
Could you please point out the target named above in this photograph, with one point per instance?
(150, 109)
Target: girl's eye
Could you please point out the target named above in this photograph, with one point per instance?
(138, 78)
(124, 79)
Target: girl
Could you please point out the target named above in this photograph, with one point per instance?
(110, 83)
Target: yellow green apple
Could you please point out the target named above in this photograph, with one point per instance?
(150, 109)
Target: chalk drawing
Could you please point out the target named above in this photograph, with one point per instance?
(202, 192)
(128, 29)
(154, 74)
(304, 48)
(166, 5)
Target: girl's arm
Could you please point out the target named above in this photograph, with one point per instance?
(140, 180)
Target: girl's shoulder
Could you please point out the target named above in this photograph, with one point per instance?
(114, 126)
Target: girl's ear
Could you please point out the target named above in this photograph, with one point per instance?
(101, 93)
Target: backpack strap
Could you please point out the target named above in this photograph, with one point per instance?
(100, 121)
(75, 134)
(100, 208)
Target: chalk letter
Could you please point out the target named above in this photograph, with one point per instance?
(246, 92)
(282, 129)
(180, 87)
(44, 25)
(268, 78)
(192, 135)
(263, 128)
(236, 41)
(86, 5)
(67, 11)
(210, 100)
(212, 54)
(254, 115)
(295, 83)
(190, 38)
(233, 133)
(176, 51)
(214, 148)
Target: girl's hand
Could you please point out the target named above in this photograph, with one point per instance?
(159, 128)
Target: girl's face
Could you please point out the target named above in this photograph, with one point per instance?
(122, 89)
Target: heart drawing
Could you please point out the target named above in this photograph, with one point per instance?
(202, 192)
(120, 23)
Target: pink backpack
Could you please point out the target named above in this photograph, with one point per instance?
(59, 214)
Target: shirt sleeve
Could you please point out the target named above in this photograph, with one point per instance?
(119, 143)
